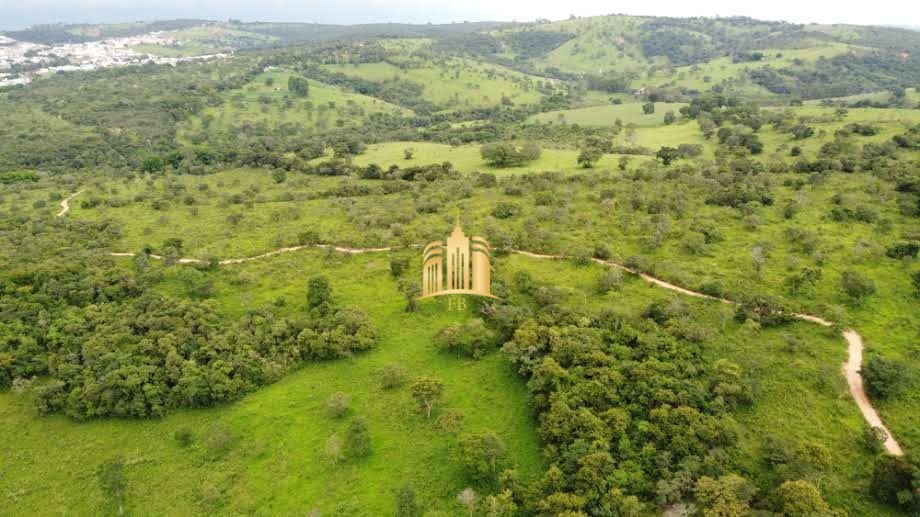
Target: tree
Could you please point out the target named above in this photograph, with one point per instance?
(299, 86)
(408, 153)
(800, 498)
(896, 481)
(727, 496)
(427, 392)
(508, 155)
(501, 505)
(669, 117)
(407, 501)
(648, 108)
(279, 175)
(468, 498)
(111, 476)
(857, 286)
(357, 439)
(482, 455)
(667, 154)
(589, 156)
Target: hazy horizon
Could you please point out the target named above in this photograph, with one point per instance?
(349, 12)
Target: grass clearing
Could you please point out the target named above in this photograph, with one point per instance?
(627, 113)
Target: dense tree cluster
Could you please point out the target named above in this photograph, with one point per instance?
(106, 344)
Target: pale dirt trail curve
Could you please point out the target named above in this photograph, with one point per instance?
(65, 203)
(854, 340)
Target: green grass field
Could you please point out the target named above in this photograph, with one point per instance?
(599, 46)
(266, 100)
(627, 113)
(455, 83)
(276, 463)
(723, 222)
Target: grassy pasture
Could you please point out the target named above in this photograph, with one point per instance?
(266, 100)
(627, 113)
(599, 46)
(454, 83)
(702, 76)
(276, 462)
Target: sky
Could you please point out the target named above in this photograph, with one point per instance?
(18, 14)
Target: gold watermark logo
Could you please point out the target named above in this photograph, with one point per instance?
(459, 265)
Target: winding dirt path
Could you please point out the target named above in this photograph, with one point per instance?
(855, 346)
(65, 203)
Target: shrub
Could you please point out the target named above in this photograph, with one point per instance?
(763, 310)
(471, 338)
(392, 376)
(713, 289)
(319, 293)
(406, 501)
(357, 439)
(856, 286)
(184, 436)
(611, 279)
(111, 476)
(338, 404)
(482, 455)
(218, 440)
(602, 252)
(903, 249)
(398, 265)
(873, 438)
(451, 421)
(505, 210)
(882, 376)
